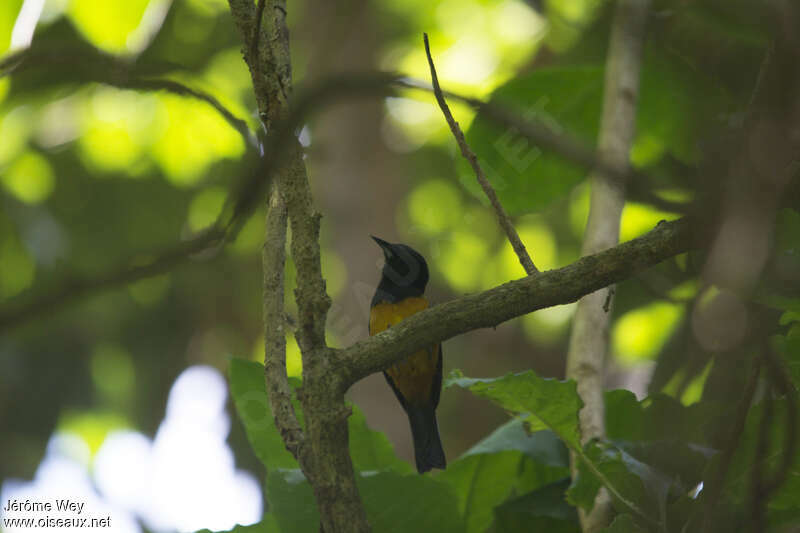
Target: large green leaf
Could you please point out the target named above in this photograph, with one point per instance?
(552, 403)
(267, 525)
(640, 484)
(623, 523)
(483, 481)
(525, 177)
(394, 503)
(371, 450)
(542, 447)
(506, 463)
(250, 397)
(543, 509)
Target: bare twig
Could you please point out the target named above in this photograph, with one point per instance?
(469, 155)
(589, 337)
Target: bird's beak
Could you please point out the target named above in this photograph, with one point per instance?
(385, 246)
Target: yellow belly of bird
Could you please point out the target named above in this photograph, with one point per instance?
(414, 375)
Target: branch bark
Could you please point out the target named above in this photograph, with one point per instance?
(323, 451)
(589, 336)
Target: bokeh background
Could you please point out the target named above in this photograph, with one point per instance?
(128, 384)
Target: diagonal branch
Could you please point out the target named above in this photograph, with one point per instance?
(469, 155)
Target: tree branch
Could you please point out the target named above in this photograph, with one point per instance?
(273, 260)
(515, 298)
(589, 337)
(469, 155)
(324, 455)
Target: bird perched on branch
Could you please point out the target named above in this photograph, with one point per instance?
(417, 379)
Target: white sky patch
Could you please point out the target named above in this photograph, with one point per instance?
(22, 34)
(410, 111)
(183, 480)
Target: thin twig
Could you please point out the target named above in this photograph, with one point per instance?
(469, 155)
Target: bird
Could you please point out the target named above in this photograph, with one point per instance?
(417, 379)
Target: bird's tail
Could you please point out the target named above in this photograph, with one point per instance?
(428, 450)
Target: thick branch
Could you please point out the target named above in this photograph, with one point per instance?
(324, 457)
(469, 155)
(589, 338)
(515, 298)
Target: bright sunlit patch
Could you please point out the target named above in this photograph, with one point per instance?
(335, 272)
(91, 426)
(541, 245)
(118, 125)
(206, 207)
(15, 130)
(516, 22)
(22, 34)
(152, 19)
(29, 178)
(194, 137)
(693, 392)
(461, 255)
(638, 219)
(470, 61)
(410, 111)
(62, 474)
(641, 333)
(107, 25)
(433, 207)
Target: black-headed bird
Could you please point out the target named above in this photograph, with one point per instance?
(417, 379)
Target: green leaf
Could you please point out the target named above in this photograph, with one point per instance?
(740, 472)
(267, 525)
(484, 480)
(552, 402)
(394, 503)
(543, 447)
(525, 177)
(623, 523)
(250, 397)
(543, 509)
(371, 450)
(788, 346)
(639, 483)
(291, 501)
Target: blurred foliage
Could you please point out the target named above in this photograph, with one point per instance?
(94, 176)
